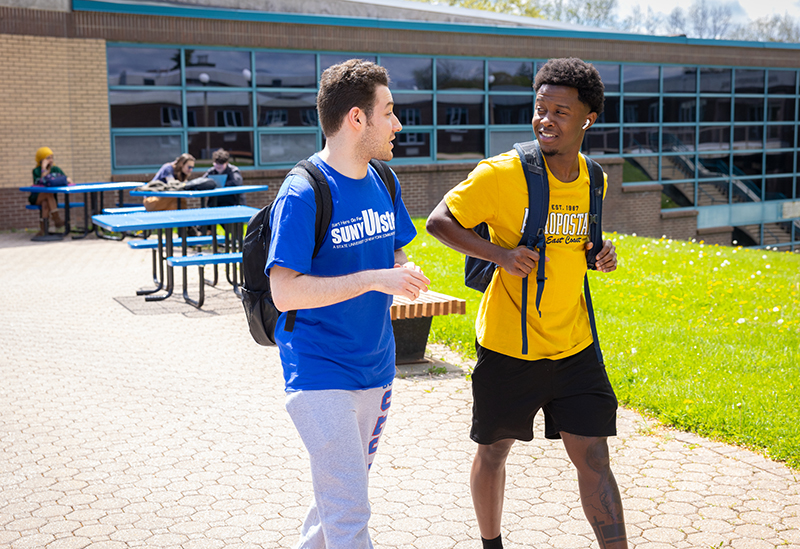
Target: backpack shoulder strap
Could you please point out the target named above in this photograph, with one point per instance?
(533, 235)
(596, 186)
(322, 196)
(386, 175)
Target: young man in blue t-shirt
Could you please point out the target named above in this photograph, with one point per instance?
(338, 360)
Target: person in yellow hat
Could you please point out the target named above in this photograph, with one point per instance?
(45, 168)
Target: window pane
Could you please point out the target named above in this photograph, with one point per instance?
(609, 74)
(678, 167)
(640, 140)
(412, 145)
(715, 109)
(500, 142)
(238, 144)
(143, 66)
(328, 60)
(780, 137)
(678, 195)
(779, 162)
(287, 109)
(459, 110)
(748, 137)
(460, 144)
(747, 235)
(414, 109)
(220, 109)
(778, 188)
(640, 169)
(747, 164)
(782, 81)
(746, 189)
(640, 78)
(749, 81)
(287, 147)
(217, 68)
(601, 141)
(510, 109)
(680, 109)
(715, 138)
(145, 150)
(776, 233)
(750, 109)
(409, 73)
(677, 138)
(610, 114)
(510, 76)
(459, 74)
(715, 80)
(713, 166)
(679, 79)
(780, 109)
(286, 70)
(640, 109)
(712, 193)
(145, 109)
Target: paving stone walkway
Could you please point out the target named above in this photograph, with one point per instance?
(125, 427)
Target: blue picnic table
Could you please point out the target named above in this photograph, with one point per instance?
(203, 195)
(93, 198)
(232, 217)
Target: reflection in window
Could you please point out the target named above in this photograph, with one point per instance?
(510, 109)
(640, 169)
(780, 137)
(143, 66)
(503, 141)
(609, 74)
(459, 74)
(747, 164)
(778, 188)
(460, 144)
(599, 140)
(713, 166)
(678, 166)
(238, 144)
(610, 114)
(714, 138)
(328, 60)
(286, 70)
(748, 137)
(144, 109)
(409, 73)
(677, 138)
(748, 109)
(298, 109)
(780, 162)
(780, 109)
(715, 109)
(679, 79)
(217, 68)
(640, 109)
(460, 109)
(712, 193)
(207, 106)
(227, 118)
(412, 145)
(286, 147)
(781, 81)
(677, 195)
(640, 140)
(680, 109)
(640, 78)
(421, 103)
(132, 151)
(713, 80)
(749, 81)
(510, 76)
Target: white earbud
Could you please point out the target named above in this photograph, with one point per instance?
(585, 125)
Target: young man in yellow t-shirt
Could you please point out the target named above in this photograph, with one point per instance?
(561, 371)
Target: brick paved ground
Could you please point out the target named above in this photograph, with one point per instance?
(125, 426)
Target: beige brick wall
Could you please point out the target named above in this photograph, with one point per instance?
(55, 95)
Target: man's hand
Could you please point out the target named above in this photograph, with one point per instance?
(606, 260)
(406, 280)
(520, 261)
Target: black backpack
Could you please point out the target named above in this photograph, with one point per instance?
(262, 316)
(478, 272)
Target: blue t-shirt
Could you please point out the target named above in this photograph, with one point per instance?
(348, 345)
(165, 172)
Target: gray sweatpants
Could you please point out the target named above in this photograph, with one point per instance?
(340, 430)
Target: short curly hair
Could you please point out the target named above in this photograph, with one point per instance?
(574, 73)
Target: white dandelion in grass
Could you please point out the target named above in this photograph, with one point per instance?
(741, 321)
(780, 321)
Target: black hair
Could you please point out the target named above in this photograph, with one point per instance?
(574, 73)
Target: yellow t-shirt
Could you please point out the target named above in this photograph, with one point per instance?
(495, 192)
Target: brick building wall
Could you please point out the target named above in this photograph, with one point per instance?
(57, 97)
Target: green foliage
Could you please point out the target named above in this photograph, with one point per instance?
(705, 338)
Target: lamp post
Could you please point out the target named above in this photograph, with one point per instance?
(204, 79)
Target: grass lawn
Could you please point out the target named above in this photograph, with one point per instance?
(705, 338)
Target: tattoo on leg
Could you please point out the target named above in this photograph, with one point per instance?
(609, 533)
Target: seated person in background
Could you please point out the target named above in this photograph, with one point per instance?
(222, 166)
(47, 201)
(178, 170)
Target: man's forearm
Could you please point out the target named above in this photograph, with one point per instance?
(300, 291)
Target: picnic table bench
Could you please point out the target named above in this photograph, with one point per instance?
(200, 261)
(411, 322)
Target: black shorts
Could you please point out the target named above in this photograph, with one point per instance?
(508, 392)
